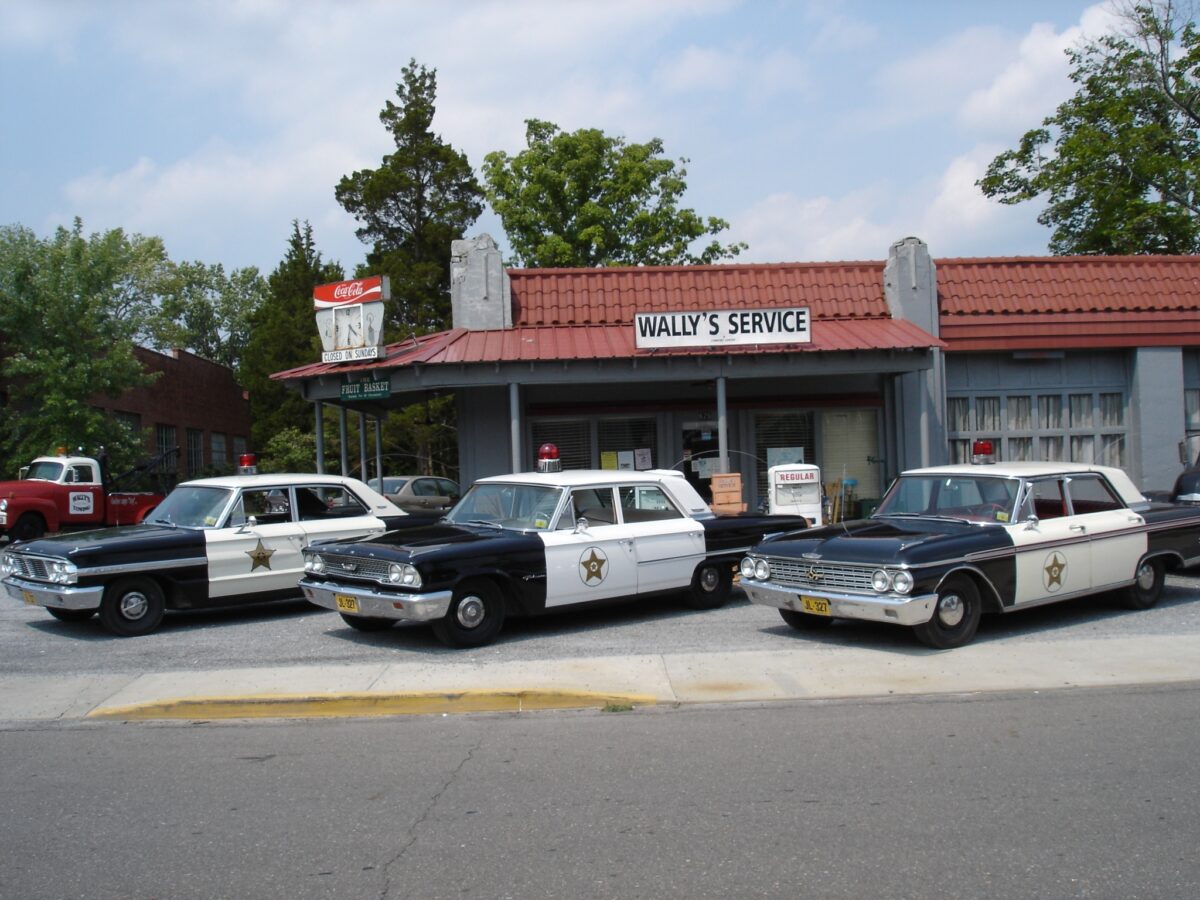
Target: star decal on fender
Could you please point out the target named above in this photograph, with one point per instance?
(1054, 574)
(260, 556)
(592, 565)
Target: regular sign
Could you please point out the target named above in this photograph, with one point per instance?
(722, 328)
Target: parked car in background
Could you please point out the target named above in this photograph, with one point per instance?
(949, 543)
(534, 543)
(212, 542)
(415, 493)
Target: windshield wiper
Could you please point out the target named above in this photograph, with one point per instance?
(487, 522)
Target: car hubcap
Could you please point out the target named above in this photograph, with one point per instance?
(950, 610)
(134, 605)
(708, 580)
(1145, 576)
(470, 612)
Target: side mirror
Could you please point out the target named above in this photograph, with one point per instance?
(251, 522)
(581, 525)
(1031, 524)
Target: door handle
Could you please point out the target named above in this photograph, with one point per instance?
(1080, 528)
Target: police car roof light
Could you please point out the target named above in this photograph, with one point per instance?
(247, 464)
(548, 460)
(983, 452)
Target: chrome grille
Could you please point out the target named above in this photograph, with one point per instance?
(35, 567)
(354, 568)
(800, 573)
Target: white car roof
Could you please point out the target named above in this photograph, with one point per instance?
(379, 504)
(583, 477)
(1116, 477)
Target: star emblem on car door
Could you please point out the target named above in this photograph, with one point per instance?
(593, 566)
(260, 556)
(1055, 572)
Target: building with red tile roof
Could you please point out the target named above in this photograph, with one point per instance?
(890, 364)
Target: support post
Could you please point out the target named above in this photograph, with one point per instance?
(319, 412)
(342, 441)
(722, 427)
(514, 415)
(362, 446)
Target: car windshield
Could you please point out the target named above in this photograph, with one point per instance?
(45, 471)
(191, 506)
(970, 497)
(522, 506)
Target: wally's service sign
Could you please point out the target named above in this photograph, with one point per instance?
(723, 328)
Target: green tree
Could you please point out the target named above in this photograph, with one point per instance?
(290, 449)
(206, 312)
(1119, 162)
(282, 334)
(586, 199)
(69, 308)
(422, 197)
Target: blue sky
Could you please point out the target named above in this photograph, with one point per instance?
(819, 130)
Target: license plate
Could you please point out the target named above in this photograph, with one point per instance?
(345, 603)
(28, 597)
(818, 606)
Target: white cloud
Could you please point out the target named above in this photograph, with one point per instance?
(785, 226)
(1036, 81)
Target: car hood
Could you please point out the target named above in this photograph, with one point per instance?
(885, 540)
(413, 543)
(110, 546)
(32, 488)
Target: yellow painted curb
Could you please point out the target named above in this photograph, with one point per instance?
(307, 706)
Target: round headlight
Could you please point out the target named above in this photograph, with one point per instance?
(902, 582)
(761, 570)
(412, 577)
(880, 581)
(318, 564)
(395, 573)
(747, 567)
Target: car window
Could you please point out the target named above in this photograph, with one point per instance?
(425, 487)
(448, 488)
(1046, 500)
(268, 506)
(1091, 494)
(192, 506)
(522, 506)
(646, 503)
(328, 502)
(593, 504)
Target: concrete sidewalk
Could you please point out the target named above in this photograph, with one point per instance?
(807, 672)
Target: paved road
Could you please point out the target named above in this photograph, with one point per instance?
(1090, 793)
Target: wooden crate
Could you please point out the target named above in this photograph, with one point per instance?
(727, 509)
(726, 497)
(730, 482)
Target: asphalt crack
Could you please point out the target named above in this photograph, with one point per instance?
(414, 828)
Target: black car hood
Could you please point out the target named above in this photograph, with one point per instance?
(416, 542)
(106, 546)
(885, 540)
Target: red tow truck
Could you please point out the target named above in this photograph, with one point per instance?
(65, 493)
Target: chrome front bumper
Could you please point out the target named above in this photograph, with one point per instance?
(379, 605)
(899, 609)
(59, 596)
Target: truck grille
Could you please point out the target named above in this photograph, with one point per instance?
(799, 573)
(35, 567)
(340, 567)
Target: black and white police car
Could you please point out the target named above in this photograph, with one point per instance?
(947, 544)
(537, 542)
(211, 542)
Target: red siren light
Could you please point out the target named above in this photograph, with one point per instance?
(247, 464)
(548, 460)
(983, 453)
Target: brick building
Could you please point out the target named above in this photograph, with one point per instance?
(194, 404)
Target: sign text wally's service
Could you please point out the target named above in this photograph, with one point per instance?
(723, 328)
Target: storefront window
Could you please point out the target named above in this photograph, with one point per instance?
(1050, 412)
(1112, 411)
(1051, 449)
(987, 413)
(1020, 416)
(1020, 449)
(1083, 449)
(1081, 411)
(572, 437)
(958, 414)
(1112, 450)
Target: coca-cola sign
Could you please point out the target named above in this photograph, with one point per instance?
(342, 293)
